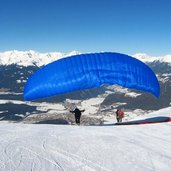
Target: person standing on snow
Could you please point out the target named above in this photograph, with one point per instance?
(77, 113)
(119, 115)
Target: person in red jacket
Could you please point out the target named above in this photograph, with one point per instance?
(119, 115)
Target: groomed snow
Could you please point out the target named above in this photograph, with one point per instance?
(87, 148)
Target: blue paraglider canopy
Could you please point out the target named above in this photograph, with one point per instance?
(86, 71)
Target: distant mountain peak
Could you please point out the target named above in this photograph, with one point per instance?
(146, 58)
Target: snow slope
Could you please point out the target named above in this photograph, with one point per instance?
(87, 148)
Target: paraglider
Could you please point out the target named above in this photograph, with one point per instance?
(86, 71)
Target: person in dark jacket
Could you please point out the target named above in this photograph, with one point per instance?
(77, 113)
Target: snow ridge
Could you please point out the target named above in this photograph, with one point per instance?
(146, 58)
(31, 58)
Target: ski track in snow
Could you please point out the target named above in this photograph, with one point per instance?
(85, 148)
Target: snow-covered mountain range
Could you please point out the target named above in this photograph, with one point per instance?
(17, 66)
(146, 58)
(31, 58)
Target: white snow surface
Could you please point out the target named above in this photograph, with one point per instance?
(87, 148)
(30, 58)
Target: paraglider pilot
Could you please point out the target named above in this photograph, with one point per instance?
(119, 115)
(77, 113)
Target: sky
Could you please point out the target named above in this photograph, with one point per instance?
(125, 26)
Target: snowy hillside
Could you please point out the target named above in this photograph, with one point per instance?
(32, 58)
(87, 148)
